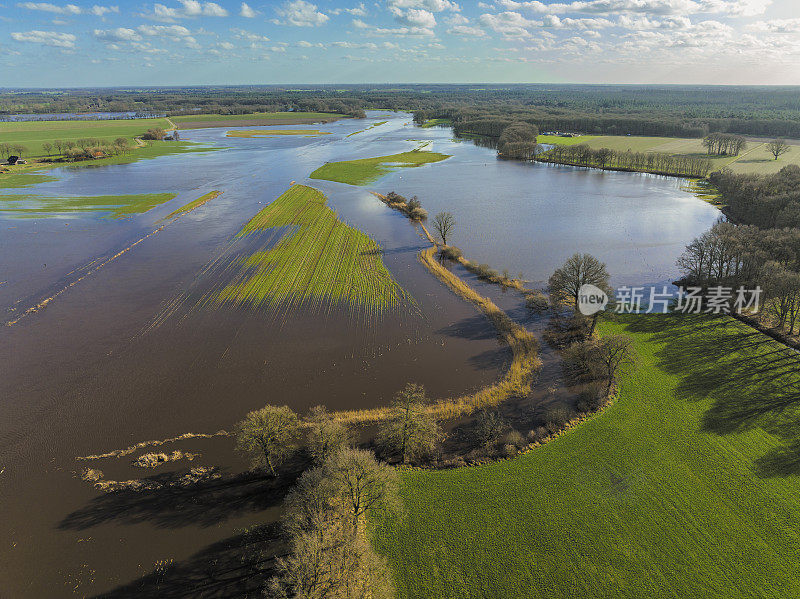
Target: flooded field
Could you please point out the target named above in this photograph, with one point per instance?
(112, 344)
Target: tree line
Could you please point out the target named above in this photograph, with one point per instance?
(762, 250)
(605, 158)
(681, 111)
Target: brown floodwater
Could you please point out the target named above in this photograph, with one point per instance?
(125, 354)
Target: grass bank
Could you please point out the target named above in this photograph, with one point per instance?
(516, 381)
(311, 259)
(367, 170)
(687, 486)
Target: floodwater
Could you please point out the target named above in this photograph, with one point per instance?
(125, 354)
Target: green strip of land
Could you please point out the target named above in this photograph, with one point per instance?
(367, 170)
(687, 486)
(309, 258)
(193, 204)
(271, 132)
(36, 206)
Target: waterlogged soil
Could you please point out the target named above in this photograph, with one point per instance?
(129, 353)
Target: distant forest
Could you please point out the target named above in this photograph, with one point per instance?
(681, 111)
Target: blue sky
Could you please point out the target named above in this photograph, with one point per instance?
(185, 42)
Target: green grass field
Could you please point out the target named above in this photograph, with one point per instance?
(436, 123)
(754, 160)
(32, 134)
(311, 259)
(686, 487)
(367, 170)
(36, 206)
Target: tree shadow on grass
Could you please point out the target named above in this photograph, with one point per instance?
(751, 380)
(205, 503)
(235, 567)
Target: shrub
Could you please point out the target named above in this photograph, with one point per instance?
(557, 417)
(537, 302)
(489, 427)
(418, 213)
(514, 437)
(451, 252)
(591, 398)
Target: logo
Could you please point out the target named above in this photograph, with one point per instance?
(591, 300)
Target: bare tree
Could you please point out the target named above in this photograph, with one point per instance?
(269, 435)
(581, 269)
(47, 147)
(363, 483)
(325, 435)
(324, 519)
(777, 147)
(409, 431)
(444, 223)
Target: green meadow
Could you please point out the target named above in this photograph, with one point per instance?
(309, 258)
(755, 159)
(120, 206)
(367, 170)
(32, 134)
(686, 486)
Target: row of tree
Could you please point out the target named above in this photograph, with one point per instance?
(654, 162)
(724, 144)
(763, 250)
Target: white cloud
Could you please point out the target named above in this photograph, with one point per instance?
(100, 11)
(247, 12)
(358, 11)
(509, 24)
(188, 9)
(414, 17)
(300, 14)
(69, 9)
(732, 8)
(249, 36)
(120, 34)
(429, 5)
(466, 31)
(352, 45)
(47, 38)
(226, 45)
(778, 26)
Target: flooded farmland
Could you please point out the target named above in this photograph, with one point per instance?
(126, 351)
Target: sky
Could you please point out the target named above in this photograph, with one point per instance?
(194, 42)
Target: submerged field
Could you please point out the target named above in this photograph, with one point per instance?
(308, 257)
(683, 488)
(112, 206)
(367, 170)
